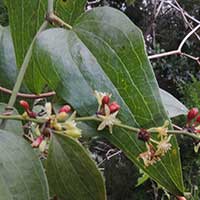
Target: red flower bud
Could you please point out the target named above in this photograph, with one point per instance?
(144, 135)
(198, 119)
(192, 114)
(65, 109)
(106, 100)
(114, 106)
(38, 141)
(24, 104)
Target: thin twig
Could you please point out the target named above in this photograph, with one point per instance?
(109, 157)
(187, 36)
(93, 2)
(185, 13)
(114, 154)
(28, 96)
(177, 127)
(22, 72)
(159, 55)
(179, 50)
(159, 8)
(185, 18)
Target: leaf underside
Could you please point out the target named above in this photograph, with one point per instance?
(172, 105)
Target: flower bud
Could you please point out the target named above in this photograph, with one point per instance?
(105, 100)
(37, 142)
(114, 106)
(25, 105)
(65, 109)
(192, 114)
(144, 135)
(198, 119)
(57, 127)
(61, 116)
(75, 133)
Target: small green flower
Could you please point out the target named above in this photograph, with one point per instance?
(108, 119)
(163, 146)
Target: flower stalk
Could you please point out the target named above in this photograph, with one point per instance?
(95, 118)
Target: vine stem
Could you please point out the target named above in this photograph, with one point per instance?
(22, 72)
(53, 19)
(21, 118)
(94, 118)
(50, 6)
(24, 67)
(134, 129)
(28, 96)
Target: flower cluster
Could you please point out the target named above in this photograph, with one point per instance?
(193, 120)
(155, 148)
(62, 122)
(65, 123)
(107, 111)
(193, 125)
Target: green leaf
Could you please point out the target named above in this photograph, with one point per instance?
(71, 172)
(70, 10)
(7, 62)
(172, 105)
(12, 125)
(25, 18)
(105, 52)
(8, 65)
(21, 174)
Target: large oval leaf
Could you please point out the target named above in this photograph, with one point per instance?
(105, 51)
(21, 174)
(7, 62)
(71, 172)
(25, 18)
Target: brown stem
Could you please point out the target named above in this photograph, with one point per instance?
(53, 19)
(179, 50)
(184, 12)
(28, 96)
(185, 19)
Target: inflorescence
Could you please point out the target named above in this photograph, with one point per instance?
(64, 122)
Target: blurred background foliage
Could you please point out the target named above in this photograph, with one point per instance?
(177, 74)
